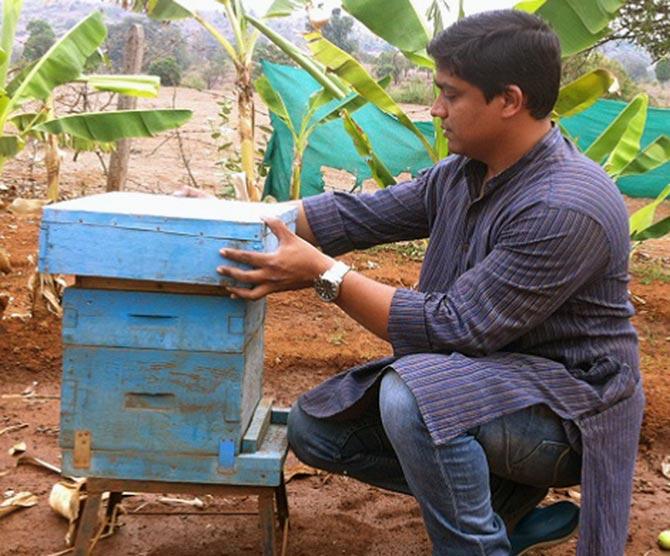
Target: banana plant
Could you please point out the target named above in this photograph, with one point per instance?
(64, 63)
(311, 119)
(239, 50)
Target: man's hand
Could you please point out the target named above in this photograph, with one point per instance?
(294, 265)
(188, 191)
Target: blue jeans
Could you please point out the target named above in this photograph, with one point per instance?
(471, 490)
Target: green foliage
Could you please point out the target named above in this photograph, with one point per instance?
(584, 62)
(338, 30)
(663, 70)
(393, 63)
(193, 80)
(414, 90)
(41, 37)
(167, 69)
(645, 23)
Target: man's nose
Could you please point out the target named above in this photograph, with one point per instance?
(438, 110)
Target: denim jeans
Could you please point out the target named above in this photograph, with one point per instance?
(471, 490)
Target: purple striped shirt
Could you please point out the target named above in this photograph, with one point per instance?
(522, 300)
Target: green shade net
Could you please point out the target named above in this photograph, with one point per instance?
(586, 126)
(329, 145)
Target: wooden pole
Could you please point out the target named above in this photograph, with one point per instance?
(132, 64)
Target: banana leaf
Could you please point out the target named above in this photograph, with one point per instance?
(661, 228)
(11, 10)
(628, 146)
(64, 61)
(641, 219)
(656, 154)
(77, 144)
(26, 120)
(351, 103)
(131, 85)
(398, 22)
(610, 139)
(579, 24)
(584, 91)
(112, 126)
(10, 145)
(299, 58)
(274, 102)
(380, 172)
(167, 10)
(3, 56)
(351, 71)
(283, 8)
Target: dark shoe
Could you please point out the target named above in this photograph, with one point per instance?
(545, 527)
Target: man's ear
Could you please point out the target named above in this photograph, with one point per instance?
(513, 101)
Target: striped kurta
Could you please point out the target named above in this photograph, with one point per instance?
(522, 300)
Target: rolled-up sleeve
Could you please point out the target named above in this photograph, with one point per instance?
(539, 259)
(343, 221)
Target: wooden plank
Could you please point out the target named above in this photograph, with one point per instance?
(103, 283)
(260, 422)
(88, 524)
(266, 511)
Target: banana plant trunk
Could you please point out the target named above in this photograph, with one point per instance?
(52, 162)
(51, 159)
(245, 104)
(296, 174)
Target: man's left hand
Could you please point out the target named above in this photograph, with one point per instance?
(294, 265)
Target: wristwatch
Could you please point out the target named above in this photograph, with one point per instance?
(327, 285)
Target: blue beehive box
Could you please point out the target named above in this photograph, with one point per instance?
(138, 236)
(161, 385)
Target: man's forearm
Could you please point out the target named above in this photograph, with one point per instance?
(302, 227)
(366, 301)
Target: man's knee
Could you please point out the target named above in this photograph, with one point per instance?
(397, 406)
(298, 432)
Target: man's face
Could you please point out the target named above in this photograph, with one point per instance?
(469, 123)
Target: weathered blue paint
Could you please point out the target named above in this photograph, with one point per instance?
(165, 385)
(159, 320)
(152, 237)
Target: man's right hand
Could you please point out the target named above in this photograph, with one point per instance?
(188, 191)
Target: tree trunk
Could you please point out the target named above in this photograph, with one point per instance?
(245, 105)
(132, 64)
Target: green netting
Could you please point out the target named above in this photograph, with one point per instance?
(330, 145)
(586, 126)
(401, 151)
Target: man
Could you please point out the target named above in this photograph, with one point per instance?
(515, 366)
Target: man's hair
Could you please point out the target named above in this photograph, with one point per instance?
(492, 50)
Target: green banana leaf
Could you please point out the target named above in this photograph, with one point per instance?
(628, 146)
(132, 85)
(274, 102)
(608, 141)
(166, 10)
(27, 120)
(578, 23)
(299, 58)
(10, 145)
(656, 154)
(77, 144)
(112, 126)
(351, 71)
(283, 8)
(641, 219)
(3, 56)
(18, 78)
(380, 172)
(351, 103)
(11, 10)
(584, 91)
(398, 22)
(661, 228)
(64, 61)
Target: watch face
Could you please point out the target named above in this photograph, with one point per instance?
(326, 289)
